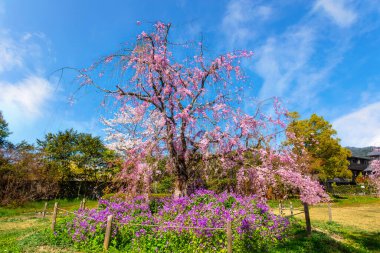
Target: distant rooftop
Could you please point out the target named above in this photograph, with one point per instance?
(360, 157)
(374, 153)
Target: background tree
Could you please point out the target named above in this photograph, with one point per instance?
(187, 108)
(327, 159)
(4, 131)
(78, 156)
(25, 176)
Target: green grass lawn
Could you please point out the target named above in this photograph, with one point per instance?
(37, 206)
(23, 231)
(336, 201)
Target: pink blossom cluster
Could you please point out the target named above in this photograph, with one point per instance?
(280, 169)
(375, 174)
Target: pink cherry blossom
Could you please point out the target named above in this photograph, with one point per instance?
(184, 109)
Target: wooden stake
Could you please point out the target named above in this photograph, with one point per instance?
(291, 209)
(55, 212)
(307, 218)
(330, 213)
(108, 232)
(44, 211)
(84, 203)
(229, 236)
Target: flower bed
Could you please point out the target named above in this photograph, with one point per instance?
(187, 224)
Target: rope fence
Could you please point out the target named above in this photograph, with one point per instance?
(110, 221)
(228, 228)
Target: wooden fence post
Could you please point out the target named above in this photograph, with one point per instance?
(229, 236)
(84, 203)
(330, 214)
(307, 218)
(291, 209)
(44, 211)
(55, 212)
(108, 232)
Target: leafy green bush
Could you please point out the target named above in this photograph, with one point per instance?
(353, 190)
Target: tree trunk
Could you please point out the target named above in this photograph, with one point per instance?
(180, 189)
(182, 179)
(179, 164)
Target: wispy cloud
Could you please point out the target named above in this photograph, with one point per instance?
(338, 11)
(238, 18)
(11, 54)
(24, 53)
(24, 91)
(295, 64)
(25, 99)
(361, 127)
(281, 59)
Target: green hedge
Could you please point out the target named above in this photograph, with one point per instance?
(353, 190)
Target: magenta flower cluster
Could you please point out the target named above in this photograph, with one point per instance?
(204, 214)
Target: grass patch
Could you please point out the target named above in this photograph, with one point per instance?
(360, 239)
(360, 212)
(29, 234)
(298, 241)
(338, 201)
(329, 237)
(341, 201)
(37, 206)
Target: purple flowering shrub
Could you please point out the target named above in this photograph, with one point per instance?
(187, 224)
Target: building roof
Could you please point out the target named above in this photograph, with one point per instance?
(374, 153)
(359, 157)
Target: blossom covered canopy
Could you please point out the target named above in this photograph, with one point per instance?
(183, 109)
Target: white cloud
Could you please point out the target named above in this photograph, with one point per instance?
(294, 65)
(338, 11)
(237, 21)
(23, 52)
(25, 100)
(24, 92)
(11, 55)
(360, 128)
(282, 59)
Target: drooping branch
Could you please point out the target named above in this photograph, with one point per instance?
(186, 111)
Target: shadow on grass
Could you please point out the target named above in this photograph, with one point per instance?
(370, 241)
(364, 239)
(336, 196)
(317, 242)
(338, 239)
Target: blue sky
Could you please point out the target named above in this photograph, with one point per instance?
(319, 56)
